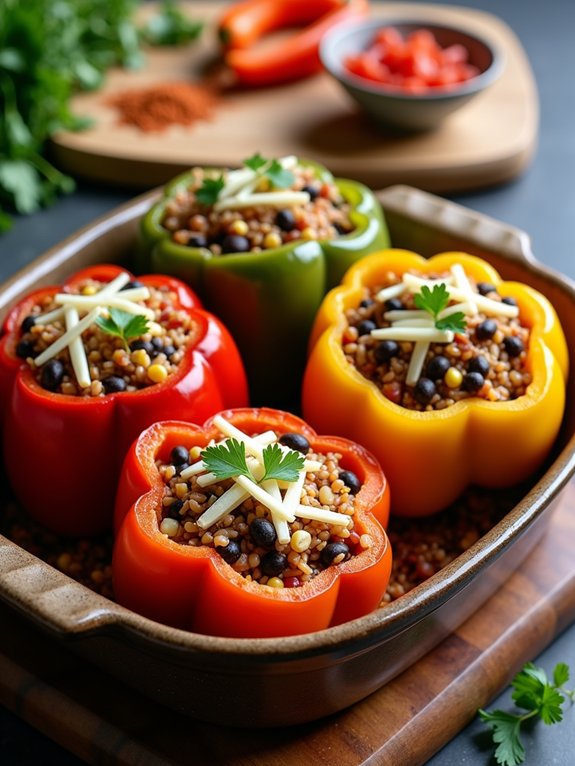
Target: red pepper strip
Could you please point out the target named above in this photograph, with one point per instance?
(193, 588)
(63, 453)
(293, 58)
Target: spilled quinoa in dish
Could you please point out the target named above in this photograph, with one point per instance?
(199, 509)
(261, 206)
(428, 341)
(101, 338)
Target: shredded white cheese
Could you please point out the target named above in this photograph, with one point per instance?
(77, 352)
(416, 362)
(84, 302)
(65, 339)
(431, 334)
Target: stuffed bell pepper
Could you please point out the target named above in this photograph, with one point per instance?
(262, 245)
(250, 526)
(85, 367)
(448, 374)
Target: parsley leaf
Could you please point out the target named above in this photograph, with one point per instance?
(210, 189)
(255, 162)
(434, 301)
(281, 465)
(229, 459)
(532, 691)
(272, 169)
(122, 324)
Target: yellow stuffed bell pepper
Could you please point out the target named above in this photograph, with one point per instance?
(446, 385)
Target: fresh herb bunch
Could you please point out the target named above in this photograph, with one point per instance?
(229, 459)
(434, 301)
(49, 49)
(123, 325)
(540, 697)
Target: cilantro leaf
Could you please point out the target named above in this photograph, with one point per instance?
(255, 162)
(505, 728)
(227, 459)
(279, 176)
(434, 301)
(210, 189)
(281, 465)
(122, 324)
(560, 674)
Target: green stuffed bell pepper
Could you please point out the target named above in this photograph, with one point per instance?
(262, 245)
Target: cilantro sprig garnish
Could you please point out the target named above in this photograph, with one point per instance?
(539, 697)
(273, 170)
(228, 459)
(209, 191)
(124, 325)
(434, 301)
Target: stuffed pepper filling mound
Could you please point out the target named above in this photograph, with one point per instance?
(261, 206)
(101, 338)
(428, 341)
(276, 511)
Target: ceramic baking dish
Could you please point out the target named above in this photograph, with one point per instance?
(292, 680)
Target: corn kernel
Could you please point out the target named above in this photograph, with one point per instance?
(308, 233)
(89, 290)
(275, 582)
(157, 373)
(272, 240)
(239, 227)
(140, 356)
(453, 378)
(300, 540)
(169, 527)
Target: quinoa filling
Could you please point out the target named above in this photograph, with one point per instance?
(417, 363)
(260, 215)
(105, 362)
(251, 537)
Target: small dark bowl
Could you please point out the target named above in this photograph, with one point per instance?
(391, 107)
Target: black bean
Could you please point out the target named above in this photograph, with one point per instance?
(52, 374)
(365, 327)
(394, 304)
(25, 348)
(114, 384)
(179, 455)
(295, 441)
(513, 345)
(313, 191)
(437, 367)
(332, 551)
(158, 344)
(473, 381)
(424, 390)
(145, 345)
(132, 283)
(479, 364)
(263, 532)
(350, 480)
(28, 323)
(509, 301)
(366, 303)
(285, 220)
(169, 350)
(235, 243)
(484, 288)
(173, 510)
(385, 351)
(230, 552)
(486, 330)
(197, 240)
(273, 563)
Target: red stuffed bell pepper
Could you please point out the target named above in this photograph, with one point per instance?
(201, 552)
(70, 418)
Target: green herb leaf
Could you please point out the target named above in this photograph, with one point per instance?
(532, 691)
(210, 189)
(255, 162)
(122, 324)
(284, 466)
(434, 301)
(227, 459)
(171, 27)
(272, 169)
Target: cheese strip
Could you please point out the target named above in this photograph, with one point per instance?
(280, 525)
(50, 316)
(116, 284)
(108, 301)
(397, 314)
(231, 499)
(229, 430)
(133, 294)
(292, 496)
(413, 334)
(416, 362)
(393, 291)
(77, 351)
(318, 514)
(65, 339)
(464, 308)
(423, 322)
(462, 282)
(265, 438)
(269, 199)
(263, 497)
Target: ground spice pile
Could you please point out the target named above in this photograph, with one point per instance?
(154, 109)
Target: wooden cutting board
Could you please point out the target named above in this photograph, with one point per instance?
(490, 140)
(403, 724)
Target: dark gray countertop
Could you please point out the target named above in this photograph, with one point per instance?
(541, 202)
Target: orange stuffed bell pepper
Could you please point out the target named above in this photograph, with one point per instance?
(448, 374)
(289, 539)
(85, 367)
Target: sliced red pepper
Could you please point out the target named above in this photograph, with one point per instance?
(63, 453)
(193, 588)
(245, 23)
